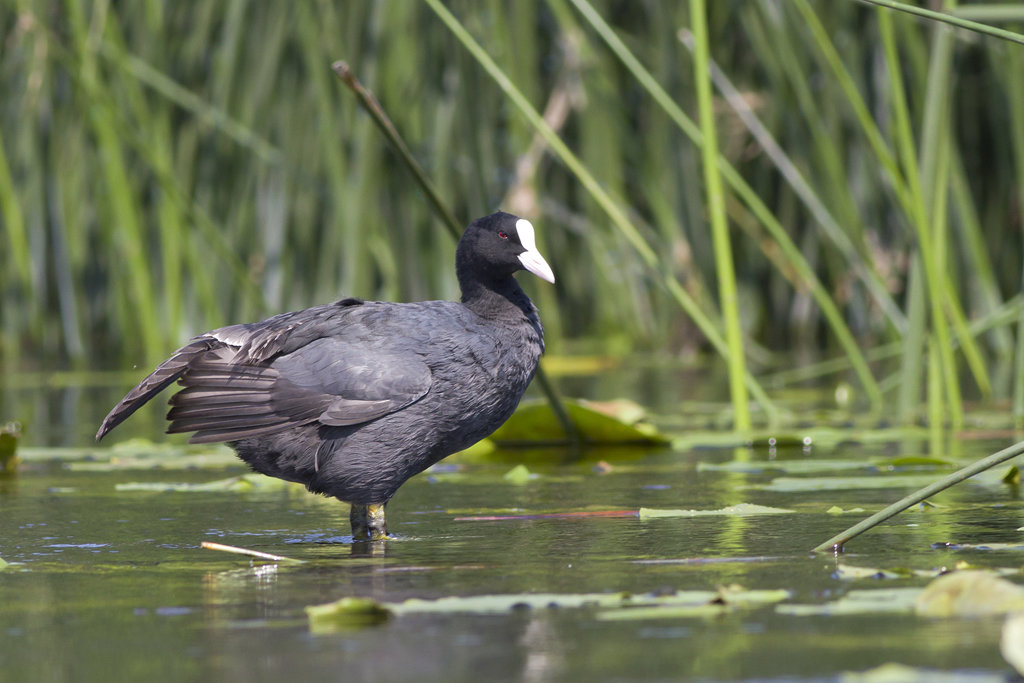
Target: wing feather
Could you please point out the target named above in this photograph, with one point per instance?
(326, 364)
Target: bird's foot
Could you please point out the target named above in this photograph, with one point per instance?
(368, 522)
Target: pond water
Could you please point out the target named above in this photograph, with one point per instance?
(107, 579)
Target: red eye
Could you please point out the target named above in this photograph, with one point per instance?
(502, 234)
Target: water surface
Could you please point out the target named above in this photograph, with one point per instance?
(108, 584)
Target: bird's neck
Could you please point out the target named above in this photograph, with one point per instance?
(496, 299)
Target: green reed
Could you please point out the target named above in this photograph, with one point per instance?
(166, 168)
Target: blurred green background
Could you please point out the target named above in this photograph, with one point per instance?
(167, 168)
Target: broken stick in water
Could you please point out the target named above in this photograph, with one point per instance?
(245, 551)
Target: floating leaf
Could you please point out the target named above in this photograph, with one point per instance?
(501, 603)
(725, 600)
(818, 437)
(866, 601)
(738, 510)
(1011, 644)
(244, 482)
(622, 409)
(138, 454)
(849, 571)
(912, 461)
(969, 593)
(181, 461)
(578, 514)
(901, 673)
(836, 510)
(882, 481)
(803, 466)
(534, 421)
(347, 613)
(519, 475)
(981, 546)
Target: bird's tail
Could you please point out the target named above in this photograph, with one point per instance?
(165, 373)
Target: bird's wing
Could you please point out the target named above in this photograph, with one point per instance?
(164, 374)
(330, 380)
(286, 332)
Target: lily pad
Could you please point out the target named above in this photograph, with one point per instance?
(868, 601)
(534, 421)
(738, 510)
(901, 673)
(849, 571)
(802, 466)
(681, 603)
(135, 454)
(347, 613)
(575, 514)
(725, 600)
(241, 483)
(819, 437)
(970, 593)
(218, 459)
(915, 461)
(836, 510)
(1011, 644)
(988, 546)
(882, 481)
(519, 475)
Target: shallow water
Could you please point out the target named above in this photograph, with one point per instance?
(112, 585)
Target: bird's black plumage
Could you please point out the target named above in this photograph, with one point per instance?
(353, 398)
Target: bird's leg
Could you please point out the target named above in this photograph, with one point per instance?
(368, 522)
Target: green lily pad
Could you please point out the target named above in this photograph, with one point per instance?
(836, 510)
(912, 461)
(500, 603)
(819, 437)
(1011, 644)
(882, 481)
(138, 454)
(868, 601)
(725, 600)
(738, 510)
(345, 614)
(892, 672)
(970, 593)
(218, 459)
(535, 421)
(519, 475)
(803, 466)
(991, 546)
(241, 483)
(849, 571)
(689, 603)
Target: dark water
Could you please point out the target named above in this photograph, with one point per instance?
(112, 585)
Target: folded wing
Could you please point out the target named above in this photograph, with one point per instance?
(327, 381)
(226, 396)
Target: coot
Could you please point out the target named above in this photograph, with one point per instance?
(353, 398)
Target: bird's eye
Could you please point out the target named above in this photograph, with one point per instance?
(502, 234)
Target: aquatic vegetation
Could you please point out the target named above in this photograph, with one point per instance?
(9, 436)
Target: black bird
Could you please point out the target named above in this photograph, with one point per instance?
(353, 398)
